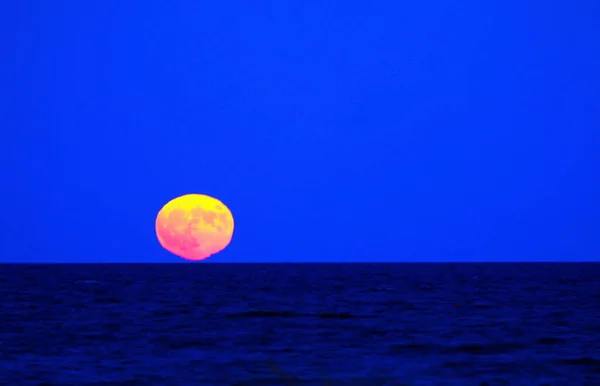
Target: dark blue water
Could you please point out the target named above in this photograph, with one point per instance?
(314, 324)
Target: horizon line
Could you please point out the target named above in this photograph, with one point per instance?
(293, 262)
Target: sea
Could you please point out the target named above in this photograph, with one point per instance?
(300, 324)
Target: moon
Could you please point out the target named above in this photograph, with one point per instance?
(194, 226)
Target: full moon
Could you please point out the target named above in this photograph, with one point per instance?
(194, 226)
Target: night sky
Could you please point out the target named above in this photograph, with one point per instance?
(334, 131)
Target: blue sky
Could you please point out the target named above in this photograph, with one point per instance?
(335, 131)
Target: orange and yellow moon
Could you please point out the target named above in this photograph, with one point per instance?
(194, 226)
